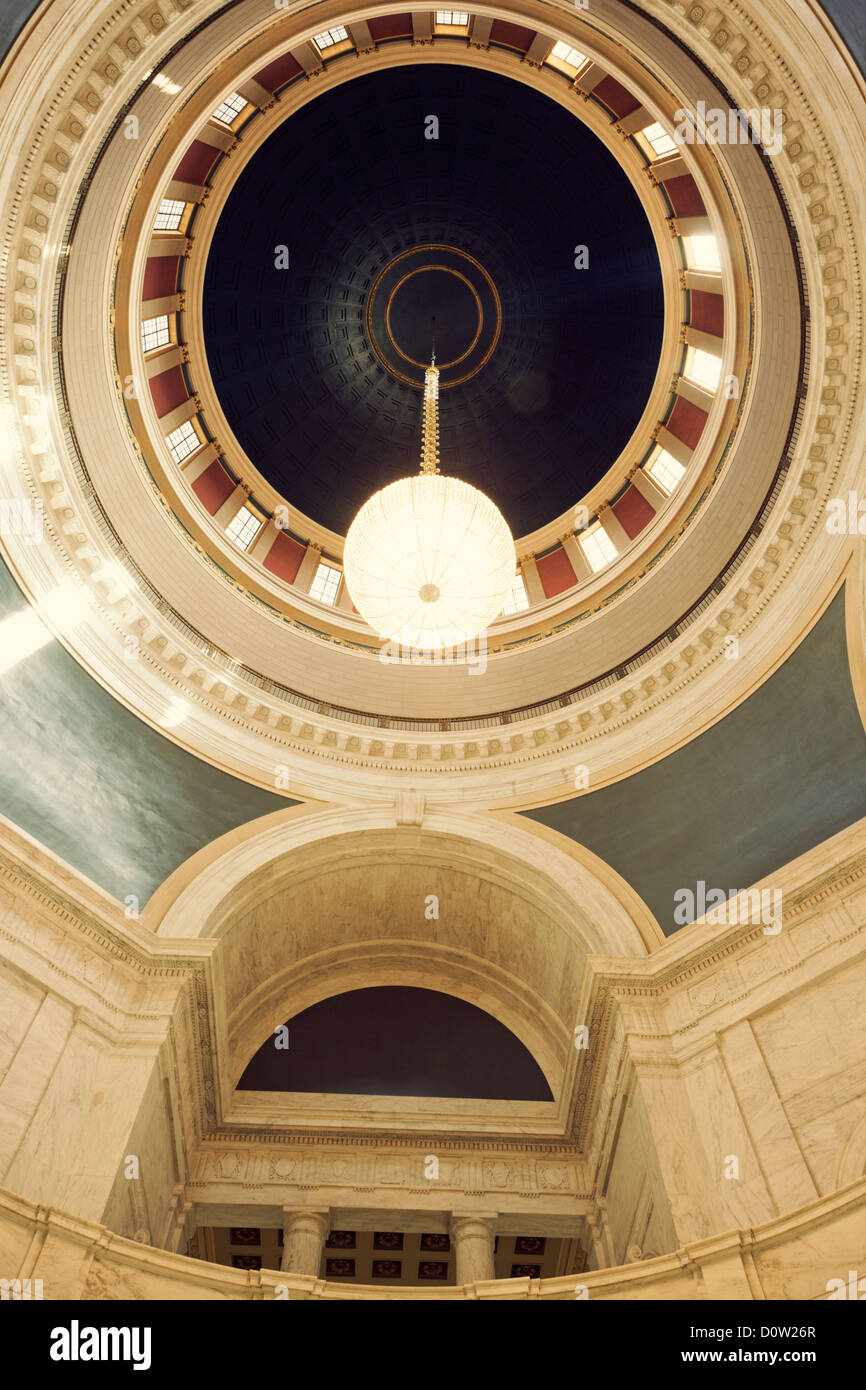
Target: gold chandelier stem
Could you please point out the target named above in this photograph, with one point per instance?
(430, 421)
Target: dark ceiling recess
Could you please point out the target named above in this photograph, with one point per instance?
(515, 182)
(398, 1041)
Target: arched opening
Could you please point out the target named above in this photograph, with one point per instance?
(393, 1040)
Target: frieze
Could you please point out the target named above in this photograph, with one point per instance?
(313, 1169)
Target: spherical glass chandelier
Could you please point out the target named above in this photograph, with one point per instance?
(429, 561)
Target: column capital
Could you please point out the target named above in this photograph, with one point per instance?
(487, 1218)
(322, 1214)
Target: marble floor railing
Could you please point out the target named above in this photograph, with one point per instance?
(805, 1255)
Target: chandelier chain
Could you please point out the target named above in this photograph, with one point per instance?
(430, 421)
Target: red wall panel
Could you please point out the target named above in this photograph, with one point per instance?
(687, 421)
(284, 557)
(513, 35)
(390, 26)
(708, 312)
(684, 195)
(160, 276)
(168, 390)
(555, 572)
(196, 163)
(213, 487)
(614, 95)
(632, 511)
(279, 72)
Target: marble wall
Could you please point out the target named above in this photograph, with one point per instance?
(723, 1089)
(636, 1215)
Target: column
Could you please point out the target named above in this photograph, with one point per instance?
(264, 540)
(674, 445)
(304, 1233)
(532, 581)
(472, 1241)
(307, 568)
(178, 1231)
(616, 532)
(576, 557)
(648, 489)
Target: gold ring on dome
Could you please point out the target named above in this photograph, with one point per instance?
(468, 314)
(448, 270)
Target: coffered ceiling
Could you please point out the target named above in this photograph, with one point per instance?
(512, 179)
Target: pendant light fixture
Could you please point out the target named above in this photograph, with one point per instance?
(429, 561)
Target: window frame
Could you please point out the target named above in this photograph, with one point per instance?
(253, 518)
(188, 453)
(693, 361)
(161, 342)
(588, 536)
(693, 262)
(323, 597)
(648, 141)
(659, 459)
(458, 23)
(333, 46)
(221, 120)
(511, 607)
(564, 64)
(173, 226)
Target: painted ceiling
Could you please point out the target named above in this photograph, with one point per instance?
(777, 776)
(847, 16)
(780, 774)
(13, 16)
(83, 775)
